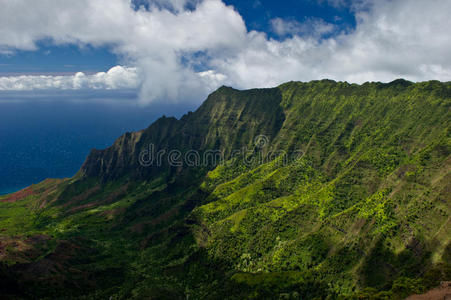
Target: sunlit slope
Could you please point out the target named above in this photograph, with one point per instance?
(325, 189)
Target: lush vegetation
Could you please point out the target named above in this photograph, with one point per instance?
(349, 198)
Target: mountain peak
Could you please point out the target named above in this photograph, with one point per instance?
(316, 183)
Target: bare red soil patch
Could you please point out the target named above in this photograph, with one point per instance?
(44, 189)
(443, 292)
(29, 191)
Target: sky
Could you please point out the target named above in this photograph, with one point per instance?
(179, 51)
(75, 75)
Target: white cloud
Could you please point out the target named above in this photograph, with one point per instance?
(116, 78)
(311, 27)
(164, 46)
(392, 39)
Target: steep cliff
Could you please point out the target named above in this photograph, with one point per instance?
(321, 189)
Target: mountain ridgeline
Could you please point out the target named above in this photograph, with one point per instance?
(317, 190)
(229, 119)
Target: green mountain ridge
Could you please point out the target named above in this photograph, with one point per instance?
(325, 190)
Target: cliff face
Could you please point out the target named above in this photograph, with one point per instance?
(229, 119)
(361, 210)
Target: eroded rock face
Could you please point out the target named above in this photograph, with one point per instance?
(365, 206)
(228, 120)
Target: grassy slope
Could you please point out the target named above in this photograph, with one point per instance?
(366, 207)
(368, 203)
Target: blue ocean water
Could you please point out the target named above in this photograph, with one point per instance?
(51, 139)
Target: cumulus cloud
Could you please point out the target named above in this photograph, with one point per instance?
(392, 39)
(311, 27)
(183, 49)
(116, 78)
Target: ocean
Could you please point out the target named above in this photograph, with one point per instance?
(51, 139)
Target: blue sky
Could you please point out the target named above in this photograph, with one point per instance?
(257, 14)
(181, 50)
(50, 59)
